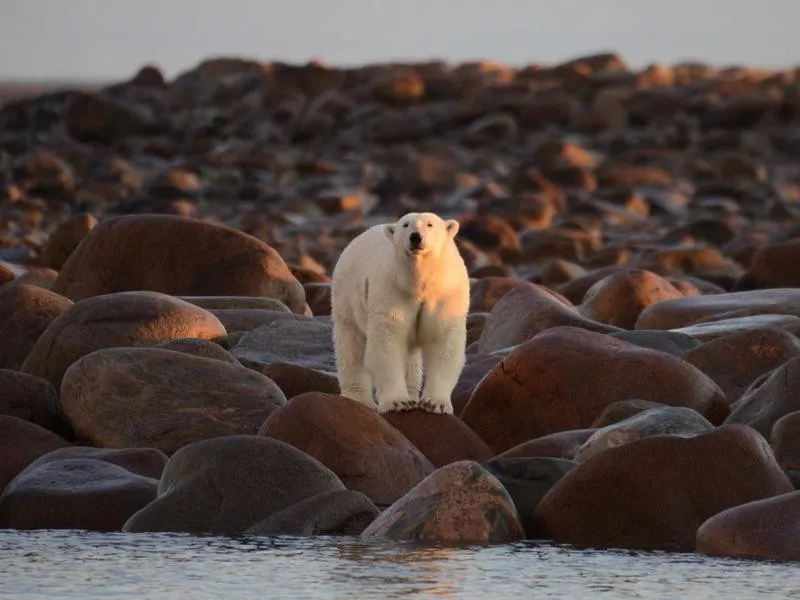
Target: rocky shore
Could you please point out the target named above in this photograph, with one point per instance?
(633, 239)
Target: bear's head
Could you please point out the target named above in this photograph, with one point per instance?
(421, 234)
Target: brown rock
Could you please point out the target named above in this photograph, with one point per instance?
(735, 361)
(529, 309)
(368, 454)
(563, 378)
(487, 291)
(161, 253)
(620, 298)
(574, 290)
(716, 327)
(303, 342)
(179, 398)
(227, 484)
(475, 369)
(64, 239)
(443, 439)
(655, 493)
(21, 443)
(785, 438)
(121, 319)
(672, 314)
(100, 118)
(318, 296)
(765, 529)
(30, 398)
(341, 512)
(769, 398)
(461, 502)
(773, 266)
(295, 379)
(25, 312)
(247, 319)
(74, 493)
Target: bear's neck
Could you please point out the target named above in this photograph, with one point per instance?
(425, 274)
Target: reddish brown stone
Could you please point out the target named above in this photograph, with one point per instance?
(562, 444)
(655, 492)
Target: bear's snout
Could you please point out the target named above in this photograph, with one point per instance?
(415, 240)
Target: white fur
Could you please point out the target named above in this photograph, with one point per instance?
(398, 314)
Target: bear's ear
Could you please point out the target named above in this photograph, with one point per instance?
(389, 231)
(452, 228)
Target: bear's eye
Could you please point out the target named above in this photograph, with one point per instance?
(405, 224)
(430, 224)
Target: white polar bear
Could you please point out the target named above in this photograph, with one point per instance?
(399, 299)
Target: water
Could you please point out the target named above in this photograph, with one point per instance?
(68, 564)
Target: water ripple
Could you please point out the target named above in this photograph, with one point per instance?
(88, 566)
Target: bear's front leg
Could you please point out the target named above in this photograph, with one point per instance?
(386, 358)
(443, 360)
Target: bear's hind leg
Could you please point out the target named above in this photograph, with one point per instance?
(414, 373)
(349, 346)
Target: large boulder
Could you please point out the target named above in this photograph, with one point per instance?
(526, 310)
(25, 312)
(121, 319)
(30, 398)
(177, 256)
(355, 442)
(735, 361)
(227, 484)
(147, 462)
(441, 438)
(74, 493)
(302, 342)
(564, 377)
(461, 502)
(21, 443)
(654, 493)
(766, 529)
(124, 397)
(771, 397)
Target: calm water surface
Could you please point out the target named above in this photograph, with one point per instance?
(50, 564)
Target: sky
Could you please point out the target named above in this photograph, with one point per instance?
(111, 39)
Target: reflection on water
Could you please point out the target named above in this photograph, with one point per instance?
(50, 564)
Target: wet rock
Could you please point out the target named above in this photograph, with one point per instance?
(227, 484)
(735, 361)
(443, 439)
(121, 319)
(180, 398)
(341, 512)
(536, 389)
(295, 379)
(663, 420)
(765, 529)
(673, 314)
(21, 443)
(74, 493)
(620, 298)
(769, 398)
(25, 312)
(562, 444)
(29, 398)
(64, 239)
(655, 493)
(527, 481)
(130, 253)
(355, 442)
(461, 502)
(303, 342)
(529, 309)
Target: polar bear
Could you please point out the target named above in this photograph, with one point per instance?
(399, 303)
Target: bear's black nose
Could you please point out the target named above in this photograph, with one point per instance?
(415, 239)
